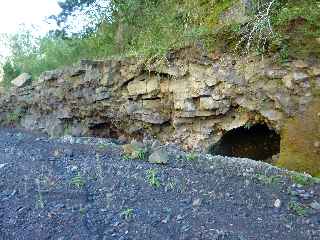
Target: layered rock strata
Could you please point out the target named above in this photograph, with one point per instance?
(188, 97)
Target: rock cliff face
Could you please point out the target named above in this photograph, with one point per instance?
(188, 97)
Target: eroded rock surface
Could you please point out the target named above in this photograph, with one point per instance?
(187, 97)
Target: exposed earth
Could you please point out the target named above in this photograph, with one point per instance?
(86, 188)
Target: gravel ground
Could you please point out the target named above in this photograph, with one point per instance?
(83, 188)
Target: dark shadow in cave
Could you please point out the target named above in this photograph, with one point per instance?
(109, 130)
(257, 142)
(103, 130)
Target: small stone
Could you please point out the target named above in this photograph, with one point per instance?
(74, 168)
(3, 165)
(287, 81)
(56, 153)
(316, 71)
(275, 158)
(316, 144)
(275, 73)
(155, 145)
(137, 145)
(185, 228)
(277, 203)
(315, 205)
(306, 196)
(179, 217)
(122, 138)
(300, 64)
(159, 157)
(128, 149)
(300, 76)
(196, 202)
(166, 220)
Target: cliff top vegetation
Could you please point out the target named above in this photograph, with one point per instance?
(289, 29)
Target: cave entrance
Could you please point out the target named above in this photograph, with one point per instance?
(257, 142)
(103, 130)
(109, 130)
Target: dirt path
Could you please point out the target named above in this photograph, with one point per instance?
(50, 189)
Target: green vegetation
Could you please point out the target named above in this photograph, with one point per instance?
(298, 22)
(14, 117)
(297, 208)
(304, 180)
(151, 28)
(67, 129)
(10, 72)
(192, 156)
(103, 146)
(127, 157)
(137, 153)
(78, 181)
(141, 154)
(127, 213)
(39, 199)
(152, 178)
(269, 180)
(82, 211)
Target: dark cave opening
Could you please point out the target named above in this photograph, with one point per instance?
(109, 130)
(257, 142)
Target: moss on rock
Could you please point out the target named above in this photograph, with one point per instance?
(300, 142)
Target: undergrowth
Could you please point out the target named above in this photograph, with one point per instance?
(152, 28)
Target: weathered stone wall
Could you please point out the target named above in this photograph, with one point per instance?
(187, 97)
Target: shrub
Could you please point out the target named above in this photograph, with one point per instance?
(153, 27)
(10, 72)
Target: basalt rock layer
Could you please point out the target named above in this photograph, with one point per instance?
(188, 97)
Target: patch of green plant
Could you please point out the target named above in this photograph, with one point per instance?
(248, 125)
(217, 9)
(192, 156)
(127, 157)
(67, 129)
(295, 22)
(14, 117)
(304, 180)
(39, 200)
(141, 154)
(103, 146)
(82, 211)
(152, 178)
(10, 72)
(298, 208)
(78, 181)
(269, 180)
(171, 185)
(127, 213)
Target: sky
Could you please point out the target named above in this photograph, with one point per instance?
(16, 12)
(13, 13)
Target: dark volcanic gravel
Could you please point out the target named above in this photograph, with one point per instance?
(84, 189)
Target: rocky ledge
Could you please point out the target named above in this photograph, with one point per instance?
(189, 97)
